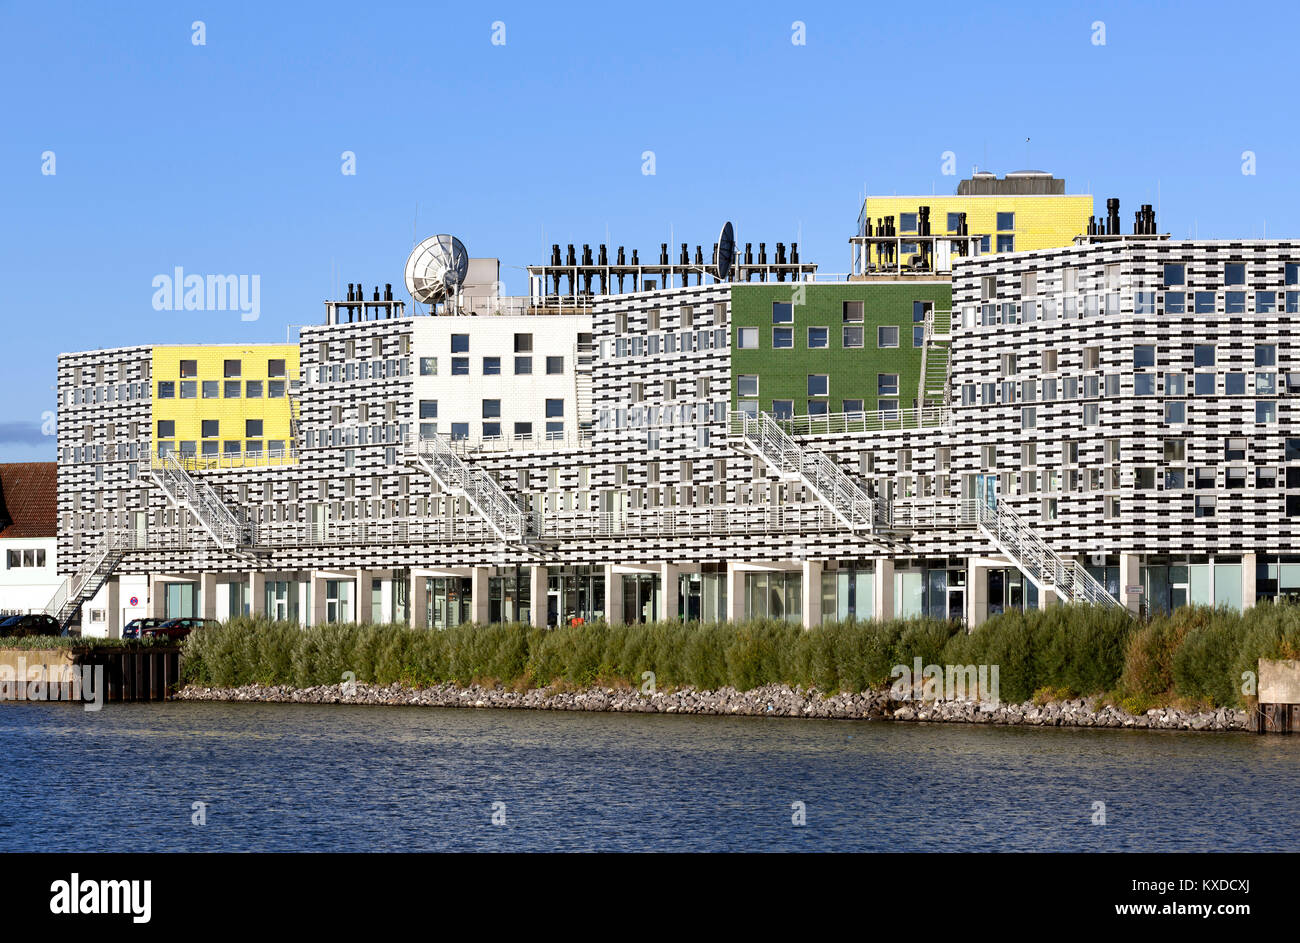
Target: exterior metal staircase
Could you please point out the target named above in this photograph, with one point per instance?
(936, 357)
(293, 426)
(202, 500)
(1039, 562)
(94, 571)
(851, 505)
(584, 356)
(507, 520)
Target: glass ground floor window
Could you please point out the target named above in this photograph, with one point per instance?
(1171, 582)
(1009, 590)
(447, 602)
(238, 599)
(774, 596)
(1277, 578)
(574, 594)
(702, 597)
(338, 600)
(849, 593)
(280, 601)
(641, 597)
(509, 595)
(181, 600)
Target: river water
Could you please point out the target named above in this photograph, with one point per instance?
(279, 777)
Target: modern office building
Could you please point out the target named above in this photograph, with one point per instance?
(1105, 419)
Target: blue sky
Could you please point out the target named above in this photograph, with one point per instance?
(225, 158)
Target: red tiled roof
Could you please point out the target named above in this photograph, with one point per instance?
(29, 499)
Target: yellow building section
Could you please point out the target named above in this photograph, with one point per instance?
(1012, 223)
(224, 405)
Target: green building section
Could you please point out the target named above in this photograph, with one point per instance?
(856, 377)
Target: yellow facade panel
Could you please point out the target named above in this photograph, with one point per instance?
(1038, 221)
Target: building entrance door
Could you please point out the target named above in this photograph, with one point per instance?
(986, 490)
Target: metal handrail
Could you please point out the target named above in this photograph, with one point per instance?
(929, 417)
(481, 490)
(99, 562)
(202, 500)
(1068, 578)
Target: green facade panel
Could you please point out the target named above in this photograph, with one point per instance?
(853, 373)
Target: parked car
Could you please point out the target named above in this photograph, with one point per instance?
(30, 624)
(133, 628)
(177, 629)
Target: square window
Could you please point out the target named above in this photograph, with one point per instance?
(783, 338)
(818, 384)
(817, 338)
(232, 389)
(275, 389)
(1266, 412)
(210, 448)
(887, 384)
(189, 368)
(1265, 302)
(232, 447)
(166, 389)
(1175, 302)
(888, 406)
(853, 312)
(523, 343)
(491, 366)
(1006, 243)
(1175, 384)
(233, 368)
(1204, 384)
(491, 409)
(818, 407)
(1176, 413)
(523, 430)
(747, 385)
(166, 428)
(459, 431)
(1234, 384)
(253, 428)
(1265, 355)
(782, 312)
(1234, 273)
(554, 408)
(782, 408)
(1175, 274)
(1235, 302)
(253, 389)
(523, 366)
(1144, 384)
(210, 428)
(1204, 302)
(554, 366)
(853, 336)
(491, 430)
(428, 409)
(1292, 450)
(460, 343)
(1144, 355)
(1006, 221)
(852, 406)
(211, 389)
(1203, 355)
(887, 336)
(460, 366)
(747, 338)
(428, 366)
(275, 368)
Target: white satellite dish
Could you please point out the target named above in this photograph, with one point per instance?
(436, 269)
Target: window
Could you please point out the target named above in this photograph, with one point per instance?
(1292, 450)
(1265, 355)
(1203, 302)
(817, 338)
(211, 389)
(1234, 450)
(189, 368)
(1175, 274)
(889, 406)
(231, 446)
(853, 312)
(1006, 221)
(1235, 302)
(428, 409)
(1091, 358)
(1175, 302)
(1006, 243)
(232, 389)
(782, 312)
(747, 338)
(491, 409)
(523, 365)
(460, 366)
(747, 385)
(491, 366)
(166, 428)
(459, 431)
(1175, 450)
(1144, 355)
(209, 428)
(275, 368)
(907, 222)
(554, 408)
(818, 384)
(954, 222)
(523, 343)
(554, 366)
(1203, 355)
(233, 368)
(783, 408)
(1029, 417)
(275, 389)
(1176, 413)
(852, 406)
(1204, 384)
(1144, 384)
(166, 389)
(523, 430)
(886, 384)
(1205, 505)
(1175, 384)
(428, 366)
(783, 338)
(887, 336)
(852, 336)
(818, 407)
(1234, 273)
(1234, 384)
(1266, 412)
(253, 428)
(253, 389)
(1091, 414)
(460, 344)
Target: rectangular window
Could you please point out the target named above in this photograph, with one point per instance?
(554, 408)
(1175, 302)
(253, 428)
(491, 366)
(818, 384)
(554, 366)
(166, 428)
(853, 336)
(166, 389)
(747, 385)
(1006, 243)
(275, 368)
(491, 409)
(1176, 413)
(1235, 302)
(782, 408)
(1234, 273)
(1265, 302)
(852, 405)
(782, 312)
(460, 343)
(232, 389)
(232, 368)
(211, 389)
(1144, 355)
(459, 431)
(1006, 221)
(253, 389)
(1175, 384)
(783, 338)
(1266, 412)
(1265, 355)
(428, 366)
(747, 338)
(853, 312)
(1204, 385)
(189, 368)
(523, 430)
(275, 389)
(1203, 355)
(209, 428)
(1204, 302)
(887, 336)
(460, 366)
(523, 343)
(886, 384)
(1175, 274)
(817, 338)
(907, 222)
(523, 365)
(428, 409)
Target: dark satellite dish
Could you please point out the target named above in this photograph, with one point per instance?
(726, 251)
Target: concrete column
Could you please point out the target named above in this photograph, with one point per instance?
(1248, 564)
(157, 598)
(257, 593)
(812, 593)
(1130, 574)
(670, 596)
(317, 614)
(208, 595)
(362, 598)
(113, 591)
(537, 591)
(613, 595)
(883, 589)
(417, 600)
(480, 605)
(977, 594)
(735, 593)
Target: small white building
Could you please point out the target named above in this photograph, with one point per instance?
(29, 572)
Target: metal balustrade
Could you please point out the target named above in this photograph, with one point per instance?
(888, 420)
(1067, 578)
(202, 500)
(436, 457)
(936, 359)
(764, 436)
(94, 570)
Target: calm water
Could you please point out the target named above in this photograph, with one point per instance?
(290, 777)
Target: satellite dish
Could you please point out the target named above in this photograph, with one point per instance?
(726, 251)
(436, 268)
